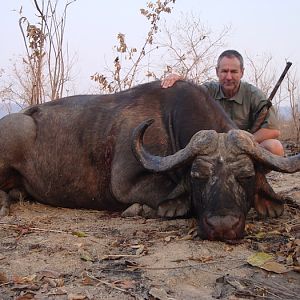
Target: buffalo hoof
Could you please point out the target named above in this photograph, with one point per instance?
(16, 194)
(173, 208)
(268, 207)
(137, 209)
(4, 204)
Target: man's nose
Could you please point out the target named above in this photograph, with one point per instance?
(228, 76)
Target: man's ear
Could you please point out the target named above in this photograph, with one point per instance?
(243, 72)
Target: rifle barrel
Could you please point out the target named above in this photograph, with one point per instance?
(288, 65)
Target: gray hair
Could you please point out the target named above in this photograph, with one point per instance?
(230, 54)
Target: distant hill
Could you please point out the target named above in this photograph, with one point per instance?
(8, 108)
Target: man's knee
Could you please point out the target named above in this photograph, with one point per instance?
(274, 146)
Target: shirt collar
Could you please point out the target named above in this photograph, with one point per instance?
(237, 98)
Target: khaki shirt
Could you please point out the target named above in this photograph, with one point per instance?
(244, 106)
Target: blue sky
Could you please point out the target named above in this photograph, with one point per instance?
(257, 27)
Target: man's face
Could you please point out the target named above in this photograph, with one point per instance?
(229, 72)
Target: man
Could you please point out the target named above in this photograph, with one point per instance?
(240, 100)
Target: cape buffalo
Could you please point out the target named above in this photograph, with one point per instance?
(100, 152)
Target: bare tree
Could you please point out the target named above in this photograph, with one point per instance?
(5, 92)
(123, 75)
(187, 47)
(34, 44)
(263, 74)
(45, 62)
(190, 48)
(294, 100)
(260, 73)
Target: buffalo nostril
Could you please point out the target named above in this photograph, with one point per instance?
(223, 221)
(224, 227)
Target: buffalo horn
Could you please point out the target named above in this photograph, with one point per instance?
(245, 141)
(200, 143)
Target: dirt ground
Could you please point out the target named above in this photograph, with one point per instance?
(58, 253)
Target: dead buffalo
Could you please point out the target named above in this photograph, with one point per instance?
(98, 152)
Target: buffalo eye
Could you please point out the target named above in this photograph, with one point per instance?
(199, 176)
(244, 179)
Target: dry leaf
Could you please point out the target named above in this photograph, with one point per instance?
(76, 297)
(132, 265)
(273, 266)
(25, 279)
(290, 260)
(3, 278)
(57, 292)
(86, 280)
(191, 234)
(54, 282)
(139, 249)
(115, 243)
(26, 296)
(260, 235)
(228, 248)
(159, 293)
(79, 234)
(115, 256)
(124, 284)
(296, 269)
(169, 238)
(84, 255)
(266, 261)
(49, 274)
(259, 259)
(202, 259)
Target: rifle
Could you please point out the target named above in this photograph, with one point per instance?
(265, 109)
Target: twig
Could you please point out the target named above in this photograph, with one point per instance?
(107, 283)
(289, 201)
(5, 283)
(105, 257)
(33, 228)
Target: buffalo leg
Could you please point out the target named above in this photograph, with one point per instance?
(142, 210)
(4, 204)
(177, 203)
(173, 208)
(266, 202)
(168, 209)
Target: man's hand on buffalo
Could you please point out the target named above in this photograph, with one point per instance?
(170, 80)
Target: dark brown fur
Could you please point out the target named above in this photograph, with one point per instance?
(76, 151)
